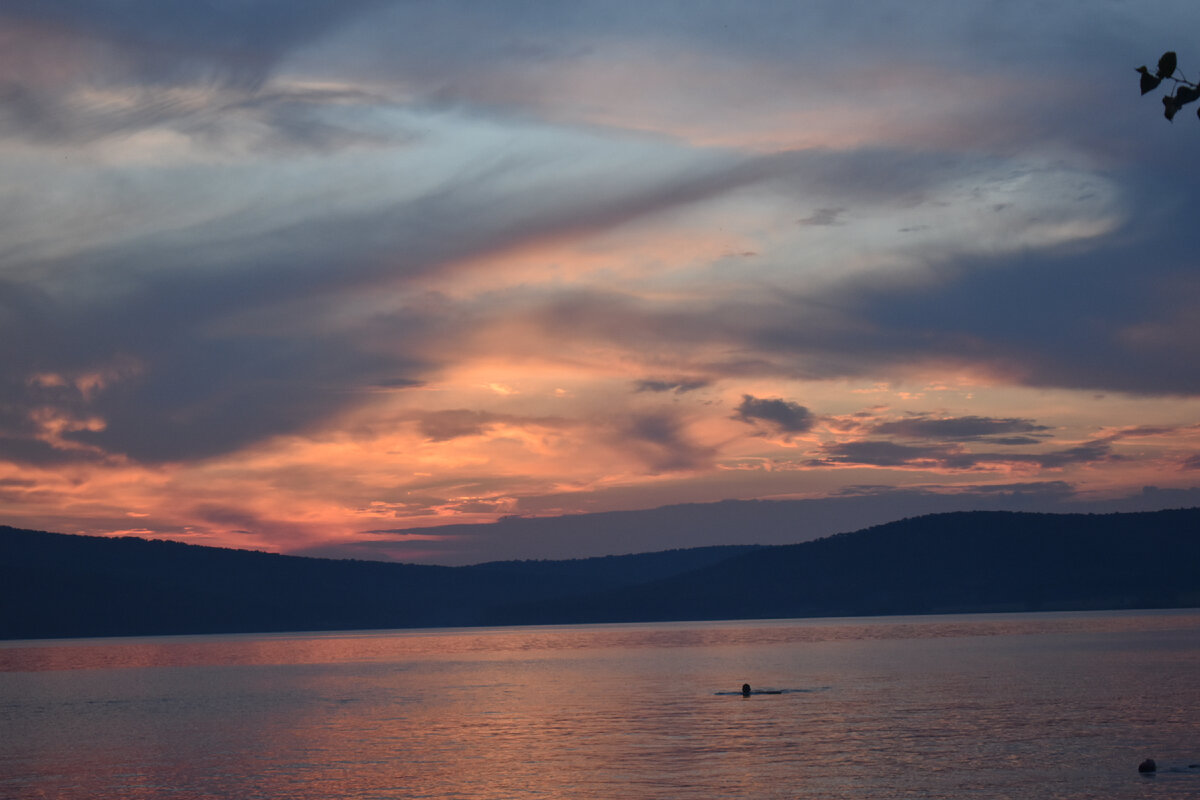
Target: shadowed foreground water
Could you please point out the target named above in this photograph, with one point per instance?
(1013, 706)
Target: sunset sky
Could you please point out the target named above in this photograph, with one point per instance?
(321, 275)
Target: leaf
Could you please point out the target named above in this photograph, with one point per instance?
(1149, 82)
(1186, 94)
(1169, 107)
(1166, 65)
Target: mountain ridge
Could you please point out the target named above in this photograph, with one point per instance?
(63, 585)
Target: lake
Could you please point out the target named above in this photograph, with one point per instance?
(1054, 705)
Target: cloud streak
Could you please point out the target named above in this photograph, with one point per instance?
(878, 453)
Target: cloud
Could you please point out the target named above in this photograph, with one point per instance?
(813, 73)
(676, 385)
(1086, 453)
(885, 454)
(937, 304)
(784, 522)
(660, 441)
(783, 416)
(823, 217)
(226, 39)
(963, 429)
(236, 321)
(441, 426)
(194, 392)
(1053, 490)
(78, 73)
(1023, 318)
(290, 241)
(952, 457)
(220, 121)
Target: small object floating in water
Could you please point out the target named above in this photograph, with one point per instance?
(747, 691)
(1150, 768)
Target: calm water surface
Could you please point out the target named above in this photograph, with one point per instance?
(989, 706)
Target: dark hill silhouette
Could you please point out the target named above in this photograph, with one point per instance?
(63, 585)
(964, 561)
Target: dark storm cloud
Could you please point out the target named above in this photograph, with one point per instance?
(784, 416)
(962, 429)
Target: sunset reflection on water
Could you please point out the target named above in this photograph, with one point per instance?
(1016, 706)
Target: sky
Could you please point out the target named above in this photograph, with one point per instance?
(320, 276)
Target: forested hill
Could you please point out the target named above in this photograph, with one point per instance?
(59, 585)
(967, 561)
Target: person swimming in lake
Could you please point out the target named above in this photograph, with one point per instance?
(747, 691)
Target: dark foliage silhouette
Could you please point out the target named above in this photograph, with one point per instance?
(1168, 70)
